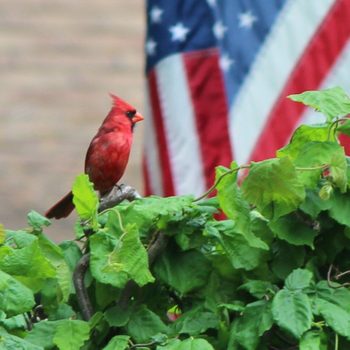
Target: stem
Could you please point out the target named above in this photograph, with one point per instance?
(80, 289)
(334, 123)
(336, 342)
(339, 275)
(316, 167)
(329, 280)
(212, 188)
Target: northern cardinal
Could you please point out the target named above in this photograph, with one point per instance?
(107, 155)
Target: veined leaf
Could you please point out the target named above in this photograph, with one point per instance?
(71, 334)
(335, 316)
(115, 261)
(298, 279)
(313, 340)
(15, 298)
(273, 187)
(37, 221)
(302, 135)
(315, 154)
(292, 312)
(118, 342)
(2, 234)
(290, 229)
(256, 320)
(183, 271)
(84, 197)
(333, 102)
(144, 324)
(187, 344)
(231, 199)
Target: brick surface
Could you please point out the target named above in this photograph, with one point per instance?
(58, 61)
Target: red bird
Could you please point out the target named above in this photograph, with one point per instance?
(107, 155)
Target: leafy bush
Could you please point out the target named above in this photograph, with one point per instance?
(163, 273)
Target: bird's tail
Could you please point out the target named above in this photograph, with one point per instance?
(62, 208)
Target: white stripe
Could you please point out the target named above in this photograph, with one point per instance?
(179, 124)
(337, 76)
(152, 158)
(290, 35)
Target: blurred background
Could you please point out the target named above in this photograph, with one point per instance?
(59, 59)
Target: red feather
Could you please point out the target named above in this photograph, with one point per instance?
(107, 155)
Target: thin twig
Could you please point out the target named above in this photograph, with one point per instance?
(80, 289)
(212, 188)
(329, 279)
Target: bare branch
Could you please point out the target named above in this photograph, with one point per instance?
(82, 294)
(117, 195)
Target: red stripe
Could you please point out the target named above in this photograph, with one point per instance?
(207, 92)
(167, 182)
(317, 60)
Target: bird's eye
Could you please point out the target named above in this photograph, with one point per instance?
(130, 114)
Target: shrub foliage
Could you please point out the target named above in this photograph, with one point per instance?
(167, 274)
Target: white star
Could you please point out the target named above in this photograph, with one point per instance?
(150, 47)
(246, 19)
(219, 30)
(178, 32)
(211, 3)
(225, 62)
(156, 14)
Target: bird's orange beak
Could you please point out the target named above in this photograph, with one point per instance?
(137, 118)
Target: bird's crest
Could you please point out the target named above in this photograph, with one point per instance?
(121, 104)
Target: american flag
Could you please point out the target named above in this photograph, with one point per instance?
(218, 73)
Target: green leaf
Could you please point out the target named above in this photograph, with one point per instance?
(188, 344)
(12, 342)
(299, 279)
(19, 239)
(231, 199)
(195, 322)
(316, 154)
(144, 324)
(245, 251)
(84, 197)
(281, 266)
(118, 342)
(302, 135)
(273, 187)
(338, 296)
(292, 312)
(335, 316)
(42, 334)
(256, 320)
(15, 298)
(115, 261)
(148, 212)
(331, 102)
(313, 204)
(14, 323)
(339, 209)
(37, 221)
(257, 288)
(27, 264)
(292, 230)
(71, 334)
(118, 316)
(183, 271)
(2, 234)
(71, 253)
(313, 340)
